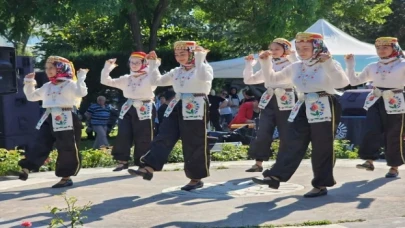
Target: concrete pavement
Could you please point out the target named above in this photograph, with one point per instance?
(228, 199)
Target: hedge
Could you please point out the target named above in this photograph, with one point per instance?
(102, 158)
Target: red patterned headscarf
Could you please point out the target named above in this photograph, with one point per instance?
(286, 45)
(64, 69)
(140, 55)
(317, 43)
(393, 42)
(190, 47)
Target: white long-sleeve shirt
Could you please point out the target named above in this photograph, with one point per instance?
(394, 80)
(326, 76)
(139, 88)
(250, 78)
(196, 80)
(65, 94)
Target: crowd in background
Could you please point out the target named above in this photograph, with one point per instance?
(226, 108)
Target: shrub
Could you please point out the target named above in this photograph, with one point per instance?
(9, 161)
(102, 158)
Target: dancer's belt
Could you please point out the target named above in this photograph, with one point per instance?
(386, 92)
(143, 101)
(279, 91)
(314, 96)
(199, 94)
(179, 96)
(58, 109)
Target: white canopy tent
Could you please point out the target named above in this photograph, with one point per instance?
(338, 42)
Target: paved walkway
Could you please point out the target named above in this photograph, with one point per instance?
(228, 199)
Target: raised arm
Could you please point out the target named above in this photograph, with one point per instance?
(204, 71)
(106, 78)
(249, 77)
(156, 78)
(80, 86)
(335, 72)
(31, 93)
(292, 57)
(280, 77)
(354, 80)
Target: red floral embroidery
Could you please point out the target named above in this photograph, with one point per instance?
(268, 96)
(58, 118)
(371, 98)
(190, 106)
(283, 98)
(314, 107)
(392, 101)
(142, 109)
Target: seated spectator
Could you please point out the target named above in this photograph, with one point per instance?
(225, 110)
(248, 111)
(247, 96)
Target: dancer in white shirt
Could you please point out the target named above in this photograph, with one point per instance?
(186, 115)
(314, 116)
(59, 125)
(136, 120)
(276, 103)
(385, 105)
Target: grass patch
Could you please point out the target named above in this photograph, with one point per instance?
(221, 167)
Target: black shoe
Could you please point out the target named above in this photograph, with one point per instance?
(391, 174)
(322, 192)
(190, 187)
(63, 183)
(272, 183)
(366, 165)
(255, 168)
(146, 175)
(121, 167)
(23, 175)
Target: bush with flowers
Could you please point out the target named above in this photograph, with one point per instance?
(102, 158)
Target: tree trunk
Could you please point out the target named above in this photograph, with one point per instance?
(160, 10)
(135, 27)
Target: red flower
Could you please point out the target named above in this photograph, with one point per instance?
(47, 161)
(371, 98)
(58, 118)
(189, 106)
(142, 109)
(26, 224)
(268, 96)
(392, 101)
(314, 107)
(283, 98)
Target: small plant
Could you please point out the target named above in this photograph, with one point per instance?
(177, 153)
(231, 152)
(73, 213)
(222, 167)
(26, 224)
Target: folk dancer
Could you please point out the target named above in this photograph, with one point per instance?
(314, 116)
(186, 115)
(59, 125)
(275, 104)
(385, 105)
(136, 120)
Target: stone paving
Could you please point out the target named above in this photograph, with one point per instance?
(228, 199)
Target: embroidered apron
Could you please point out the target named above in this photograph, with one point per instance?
(143, 109)
(285, 99)
(192, 106)
(393, 100)
(317, 108)
(61, 120)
